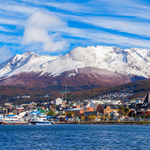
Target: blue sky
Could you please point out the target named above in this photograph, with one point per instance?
(52, 27)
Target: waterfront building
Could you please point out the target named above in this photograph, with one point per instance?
(77, 111)
(92, 105)
(144, 108)
(108, 109)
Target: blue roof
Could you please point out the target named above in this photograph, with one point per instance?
(35, 112)
(10, 115)
(48, 117)
(43, 114)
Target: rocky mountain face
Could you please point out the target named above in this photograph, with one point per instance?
(82, 68)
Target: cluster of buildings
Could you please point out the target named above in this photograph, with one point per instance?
(117, 95)
(60, 110)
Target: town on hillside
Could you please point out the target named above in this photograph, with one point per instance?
(62, 111)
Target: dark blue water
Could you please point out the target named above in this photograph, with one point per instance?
(75, 137)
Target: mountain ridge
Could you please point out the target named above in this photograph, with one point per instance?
(104, 63)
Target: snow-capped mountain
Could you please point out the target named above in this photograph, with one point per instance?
(28, 62)
(91, 67)
(130, 61)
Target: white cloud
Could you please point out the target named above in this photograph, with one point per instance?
(121, 40)
(127, 26)
(68, 6)
(17, 8)
(42, 28)
(93, 36)
(5, 54)
(114, 7)
(10, 21)
(4, 29)
(118, 24)
(10, 39)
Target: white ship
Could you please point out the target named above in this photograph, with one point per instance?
(12, 119)
(39, 120)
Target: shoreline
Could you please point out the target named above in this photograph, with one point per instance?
(94, 122)
(108, 122)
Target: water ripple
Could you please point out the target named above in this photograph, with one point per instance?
(75, 137)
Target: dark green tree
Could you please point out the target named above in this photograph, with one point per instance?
(126, 110)
(131, 114)
(50, 113)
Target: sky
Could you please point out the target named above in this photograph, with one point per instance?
(52, 27)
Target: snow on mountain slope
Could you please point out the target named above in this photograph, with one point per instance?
(129, 62)
(28, 62)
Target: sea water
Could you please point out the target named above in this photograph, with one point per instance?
(75, 137)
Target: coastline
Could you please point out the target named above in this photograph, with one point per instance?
(108, 122)
(94, 122)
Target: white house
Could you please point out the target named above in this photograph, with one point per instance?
(57, 101)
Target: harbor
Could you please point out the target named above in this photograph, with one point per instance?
(112, 112)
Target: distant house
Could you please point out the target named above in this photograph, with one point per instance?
(57, 101)
(2, 111)
(8, 104)
(92, 105)
(107, 109)
(144, 108)
(19, 109)
(23, 96)
(90, 109)
(77, 110)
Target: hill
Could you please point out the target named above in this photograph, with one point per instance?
(124, 92)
